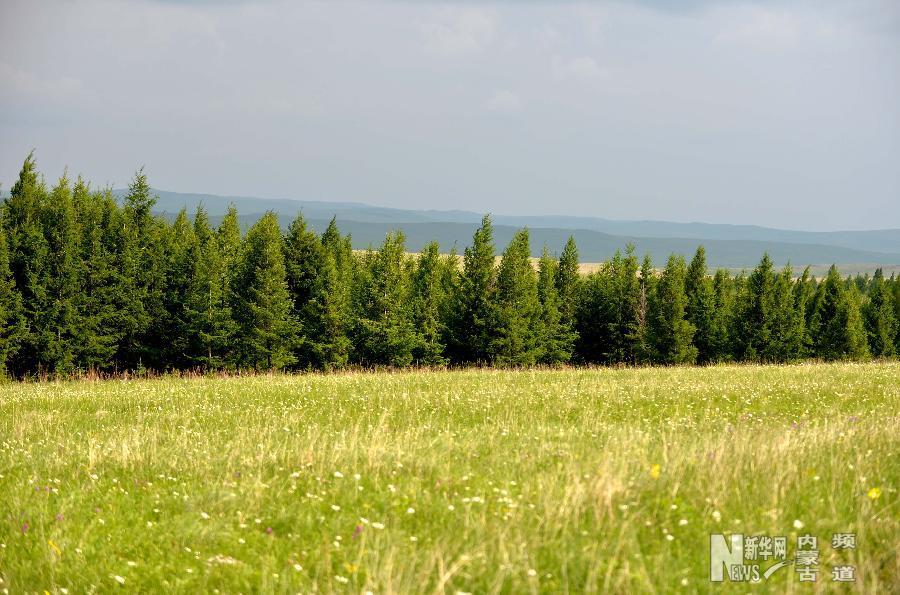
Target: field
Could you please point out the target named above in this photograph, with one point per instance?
(591, 480)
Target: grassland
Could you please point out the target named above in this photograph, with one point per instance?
(606, 480)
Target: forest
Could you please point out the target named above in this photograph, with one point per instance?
(92, 284)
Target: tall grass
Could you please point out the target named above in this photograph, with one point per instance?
(606, 480)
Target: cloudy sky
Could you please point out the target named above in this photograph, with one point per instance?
(775, 113)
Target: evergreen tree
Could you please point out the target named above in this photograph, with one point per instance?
(878, 315)
(838, 327)
(787, 327)
(700, 308)
(29, 264)
(266, 330)
(670, 333)
(567, 280)
(429, 306)
(804, 298)
(305, 262)
(473, 331)
(647, 285)
(517, 311)
(608, 319)
(723, 311)
(557, 338)
(179, 275)
(209, 326)
(11, 322)
(336, 311)
(385, 331)
(756, 313)
(98, 281)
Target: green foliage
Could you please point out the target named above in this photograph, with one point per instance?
(700, 308)
(878, 315)
(557, 337)
(430, 294)
(609, 314)
(838, 327)
(89, 284)
(384, 330)
(517, 310)
(670, 333)
(266, 329)
(472, 329)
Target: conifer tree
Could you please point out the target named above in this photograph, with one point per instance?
(209, 325)
(804, 295)
(305, 263)
(838, 327)
(473, 330)
(567, 280)
(557, 338)
(228, 235)
(755, 318)
(670, 333)
(647, 285)
(429, 306)
(878, 315)
(29, 264)
(385, 331)
(266, 330)
(11, 321)
(723, 311)
(57, 319)
(97, 312)
(336, 309)
(787, 325)
(700, 308)
(179, 274)
(517, 313)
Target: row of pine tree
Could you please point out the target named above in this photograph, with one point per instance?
(87, 283)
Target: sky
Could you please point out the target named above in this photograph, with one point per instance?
(784, 114)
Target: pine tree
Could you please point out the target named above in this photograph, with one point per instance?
(838, 328)
(700, 308)
(305, 263)
(557, 338)
(385, 331)
(29, 264)
(723, 311)
(177, 330)
(266, 329)
(11, 321)
(787, 327)
(608, 319)
(473, 331)
(670, 333)
(647, 286)
(755, 317)
(208, 323)
(878, 315)
(567, 280)
(102, 288)
(336, 309)
(804, 297)
(517, 312)
(228, 236)
(429, 306)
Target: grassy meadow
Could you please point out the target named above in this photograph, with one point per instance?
(480, 481)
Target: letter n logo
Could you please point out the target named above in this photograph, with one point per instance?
(721, 558)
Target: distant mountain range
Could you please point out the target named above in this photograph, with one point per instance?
(730, 246)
